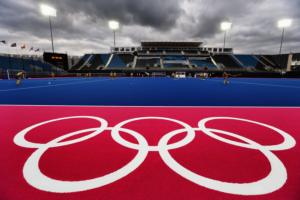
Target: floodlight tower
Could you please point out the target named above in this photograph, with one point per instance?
(114, 26)
(49, 12)
(283, 23)
(225, 26)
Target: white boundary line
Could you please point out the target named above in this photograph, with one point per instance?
(260, 84)
(267, 85)
(54, 85)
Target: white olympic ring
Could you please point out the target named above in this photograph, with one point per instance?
(272, 182)
(117, 137)
(21, 141)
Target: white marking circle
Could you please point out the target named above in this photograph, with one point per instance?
(276, 178)
(189, 137)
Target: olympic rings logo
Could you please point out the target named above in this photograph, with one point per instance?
(272, 182)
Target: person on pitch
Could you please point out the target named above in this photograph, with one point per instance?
(53, 75)
(226, 78)
(19, 76)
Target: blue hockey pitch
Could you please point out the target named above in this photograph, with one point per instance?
(152, 92)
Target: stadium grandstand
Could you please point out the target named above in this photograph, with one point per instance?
(34, 66)
(165, 57)
(184, 56)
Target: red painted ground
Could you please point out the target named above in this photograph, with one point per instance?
(153, 178)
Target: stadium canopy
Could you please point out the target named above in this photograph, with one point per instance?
(170, 44)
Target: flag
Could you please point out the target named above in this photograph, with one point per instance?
(23, 46)
(31, 49)
(13, 45)
(3, 41)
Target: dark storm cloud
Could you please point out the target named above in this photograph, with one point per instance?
(212, 13)
(254, 23)
(17, 17)
(159, 14)
(81, 26)
(86, 20)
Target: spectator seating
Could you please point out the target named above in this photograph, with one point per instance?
(228, 61)
(27, 64)
(148, 62)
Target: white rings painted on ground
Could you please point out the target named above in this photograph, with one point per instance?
(289, 141)
(275, 180)
(21, 141)
(189, 137)
(37, 179)
(272, 182)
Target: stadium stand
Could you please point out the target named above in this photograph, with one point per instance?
(96, 62)
(81, 62)
(159, 57)
(155, 52)
(120, 61)
(4, 62)
(176, 61)
(295, 65)
(175, 58)
(33, 66)
(156, 61)
(91, 62)
(202, 62)
(176, 66)
(227, 61)
(173, 52)
(251, 62)
(27, 64)
(191, 52)
(248, 61)
(277, 61)
(105, 58)
(148, 63)
(128, 59)
(266, 61)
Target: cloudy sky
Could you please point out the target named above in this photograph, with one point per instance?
(81, 26)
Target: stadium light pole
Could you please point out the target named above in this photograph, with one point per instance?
(114, 26)
(283, 24)
(49, 12)
(225, 26)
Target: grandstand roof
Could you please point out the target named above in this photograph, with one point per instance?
(169, 44)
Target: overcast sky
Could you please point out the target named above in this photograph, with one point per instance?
(81, 26)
